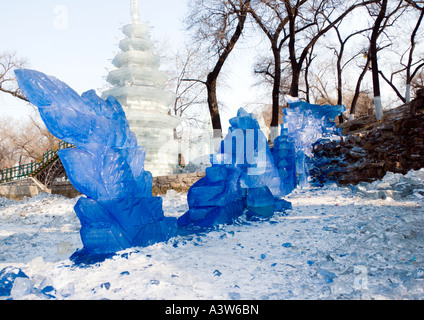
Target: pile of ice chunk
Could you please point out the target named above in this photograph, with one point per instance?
(16, 285)
(304, 124)
(7, 278)
(395, 186)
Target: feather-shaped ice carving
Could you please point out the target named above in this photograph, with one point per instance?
(106, 165)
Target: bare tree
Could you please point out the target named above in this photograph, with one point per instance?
(383, 14)
(407, 69)
(341, 63)
(220, 23)
(271, 17)
(374, 59)
(365, 103)
(383, 18)
(357, 92)
(409, 73)
(8, 63)
(7, 150)
(21, 142)
(186, 65)
(320, 89)
(264, 71)
(319, 21)
(302, 22)
(308, 62)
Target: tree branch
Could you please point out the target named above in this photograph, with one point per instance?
(416, 70)
(15, 94)
(195, 80)
(390, 83)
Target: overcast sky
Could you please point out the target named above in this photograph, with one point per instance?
(75, 40)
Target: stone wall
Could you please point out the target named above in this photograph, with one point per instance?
(179, 182)
(64, 188)
(161, 184)
(17, 190)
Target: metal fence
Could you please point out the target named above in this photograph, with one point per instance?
(33, 168)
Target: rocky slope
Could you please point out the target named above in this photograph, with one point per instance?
(370, 148)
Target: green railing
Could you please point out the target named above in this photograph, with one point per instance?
(35, 167)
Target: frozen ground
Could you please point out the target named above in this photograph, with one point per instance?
(332, 245)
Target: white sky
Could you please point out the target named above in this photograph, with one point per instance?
(79, 48)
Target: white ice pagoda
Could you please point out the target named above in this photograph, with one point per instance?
(138, 85)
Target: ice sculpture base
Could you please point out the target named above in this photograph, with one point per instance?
(215, 199)
(142, 224)
(212, 216)
(260, 202)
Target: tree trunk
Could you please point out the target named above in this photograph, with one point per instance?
(308, 64)
(408, 93)
(374, 61)
(358, 88)
(213, 107)
(276, 94)
(411, 52)
(294, 88)
(340, 81)
(213, 75)
(276, 50)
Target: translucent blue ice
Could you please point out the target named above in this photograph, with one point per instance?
(106, 165)
(246, 147)
(7, 276)
(304, 124)
(243, 176)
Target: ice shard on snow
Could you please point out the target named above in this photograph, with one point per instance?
(243, 176)
(106, 165)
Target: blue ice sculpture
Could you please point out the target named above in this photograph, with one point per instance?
(242, 176)
(106, 165)
(284, 153)
(304, 124)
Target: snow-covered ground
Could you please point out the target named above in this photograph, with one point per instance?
(334, 244)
